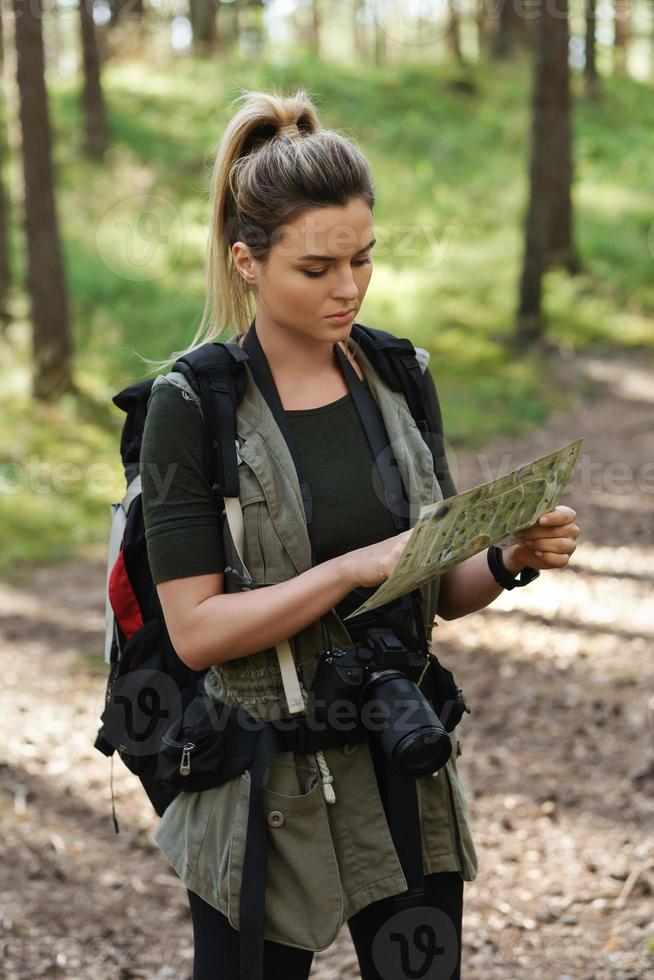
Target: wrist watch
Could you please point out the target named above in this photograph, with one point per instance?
(503, 576)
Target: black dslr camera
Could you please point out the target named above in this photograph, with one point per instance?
(377, 678)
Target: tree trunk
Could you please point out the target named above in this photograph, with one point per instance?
(5, 268)
(522, 24)
(483, 27)
(315, 27)
(559, 247)
(591, 78)
(454, 31)
(123, 9)
(622, 32)
(51, 340)
(238, 21)
(513, 28)
(95, 116)
(380, 33)
(503, 41)
(357, 30)
(548, 231)
(203, 21)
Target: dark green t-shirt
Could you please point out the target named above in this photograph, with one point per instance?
(183, 526)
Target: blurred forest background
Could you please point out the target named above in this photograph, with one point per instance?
(511, 145)
(511, 150)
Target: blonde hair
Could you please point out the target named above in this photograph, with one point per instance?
(273, 163)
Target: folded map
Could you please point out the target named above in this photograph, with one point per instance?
(451, 530)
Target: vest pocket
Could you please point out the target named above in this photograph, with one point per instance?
(253, 503)
(304, 901)
(282, 535)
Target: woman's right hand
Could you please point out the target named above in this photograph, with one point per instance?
(373, 564)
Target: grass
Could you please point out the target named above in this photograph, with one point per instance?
(449, 164)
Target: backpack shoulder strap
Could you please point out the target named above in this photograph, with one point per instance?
(402, 366)
(216, 377)
(216, 372)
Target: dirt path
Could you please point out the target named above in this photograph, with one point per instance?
(558, 754)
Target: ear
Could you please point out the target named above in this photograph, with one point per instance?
(244, 262)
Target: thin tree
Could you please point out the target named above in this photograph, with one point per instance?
(123, 9)
(95, 115)
(379, 33)
(51, 339)
(203, 21)
(483, 26)
(5, 268)
(238, 21)
(512, 28)
(523, 24)
(503, 41)
(454, 31)
(316, 26)
(548, 230)
(622, 30)
(591, 77)
(357, 8)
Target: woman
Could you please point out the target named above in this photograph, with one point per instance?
(292, 234)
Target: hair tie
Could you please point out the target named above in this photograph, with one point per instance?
(290, 130)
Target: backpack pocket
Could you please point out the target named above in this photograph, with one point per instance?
(304, 900)
(141, 697)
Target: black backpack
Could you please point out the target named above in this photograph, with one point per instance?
(148, 686)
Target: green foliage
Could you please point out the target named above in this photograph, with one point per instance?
(448, 151)
(59, 468)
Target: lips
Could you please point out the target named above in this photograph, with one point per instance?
(343, 312)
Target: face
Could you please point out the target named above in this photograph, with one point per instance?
(320, 266)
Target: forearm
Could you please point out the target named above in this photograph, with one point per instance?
(236, 624)
(470, 586)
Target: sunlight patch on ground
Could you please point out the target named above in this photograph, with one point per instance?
(21, 604)
(627, 381)
(590, 601)
(623, 559)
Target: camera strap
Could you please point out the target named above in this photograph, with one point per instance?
(259, 749)
(404, 825)
(252, 906)
(400, 800)
(265, 382)
(382, 454)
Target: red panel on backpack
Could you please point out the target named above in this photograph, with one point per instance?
(123, 599)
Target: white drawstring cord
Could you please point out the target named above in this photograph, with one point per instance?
(325, 774)
(327, 778)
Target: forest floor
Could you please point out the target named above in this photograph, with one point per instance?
(557, 754)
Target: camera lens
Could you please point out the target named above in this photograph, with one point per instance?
(411, 734)
(424, 752)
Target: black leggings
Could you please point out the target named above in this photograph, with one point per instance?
(421, 942)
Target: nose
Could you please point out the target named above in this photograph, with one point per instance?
(347, 288)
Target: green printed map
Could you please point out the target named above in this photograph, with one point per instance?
(451, 530)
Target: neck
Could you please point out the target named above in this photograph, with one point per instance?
(291, 355)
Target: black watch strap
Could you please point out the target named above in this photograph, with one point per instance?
(503, 576)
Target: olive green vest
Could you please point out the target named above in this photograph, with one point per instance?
(276, 542)
(340, 856)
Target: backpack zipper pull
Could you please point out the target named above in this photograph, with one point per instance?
(185, 765)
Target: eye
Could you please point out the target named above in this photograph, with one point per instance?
(315, 273)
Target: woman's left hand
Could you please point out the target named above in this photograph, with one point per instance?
(547, 544)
